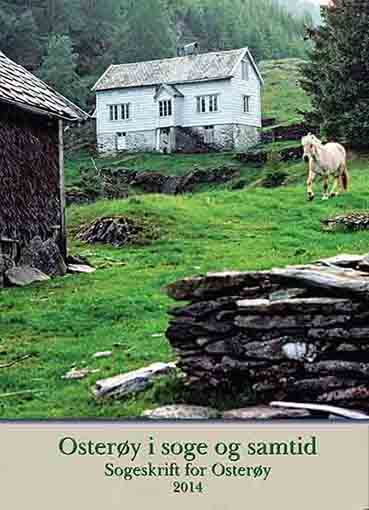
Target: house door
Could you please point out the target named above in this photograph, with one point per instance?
(121, 141)
(164, 140)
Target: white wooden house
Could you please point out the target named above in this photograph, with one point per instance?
(177, 103)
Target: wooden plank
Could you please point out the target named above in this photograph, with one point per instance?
(63, 229)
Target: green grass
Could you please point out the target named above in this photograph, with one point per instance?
(120, 307)
(282, 95)
(170, 164)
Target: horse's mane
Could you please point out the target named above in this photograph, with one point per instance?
(312, 139)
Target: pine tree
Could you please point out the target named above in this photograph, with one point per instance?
(58, 68)
(145, 32)
(337, 75)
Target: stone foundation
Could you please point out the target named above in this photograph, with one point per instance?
(245, 137)
(297, 334)
(225, 137)
(138, 141)
(190, 139)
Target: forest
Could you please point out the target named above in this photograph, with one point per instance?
(69, 43)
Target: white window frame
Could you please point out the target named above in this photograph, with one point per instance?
(165, 108)
(120, 112)
(207, 104)
(246, 103)
(245, 70)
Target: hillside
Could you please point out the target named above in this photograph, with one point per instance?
(283, 98)
(121, 307)
(298, 7)
(71, 43)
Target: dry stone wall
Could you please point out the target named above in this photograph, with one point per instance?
(300, 333)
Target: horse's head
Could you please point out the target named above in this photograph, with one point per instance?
(309, 143)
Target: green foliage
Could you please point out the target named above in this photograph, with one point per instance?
(118, 31)
(283, 98)
(18, 36)
(145, 32)
(264, 26)
(337, 74)
(59, 65)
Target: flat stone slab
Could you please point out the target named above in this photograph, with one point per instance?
(282, 322)
(103, 354)
(265, 413)
(296, 305)
(322, 409)
(131, 382)
(22, 276)
(213, 284)
(343, 260)
(181, 412)
(80, 268)
(79, 373)
(346, 282)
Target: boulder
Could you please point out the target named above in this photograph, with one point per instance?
(265, 413)
(5, 263)
(132, 382)
(181, 412)
(21, 276)
(45, 256)
(79, 373)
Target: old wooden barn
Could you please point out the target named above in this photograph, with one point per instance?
(32, 119)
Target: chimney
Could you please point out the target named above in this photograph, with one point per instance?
(188, 49)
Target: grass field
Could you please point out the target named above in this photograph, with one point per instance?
(283, 99)
(121, 307)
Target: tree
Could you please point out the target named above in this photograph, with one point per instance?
(58, 68)
(144, 32)
(337, 74)
(18, 37)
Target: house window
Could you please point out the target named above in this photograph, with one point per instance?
(114, 111)
(125, 111)
(165, 108)
(206, 104)
(245, 70)
(246, 104)
(209, 134)
(120, 111)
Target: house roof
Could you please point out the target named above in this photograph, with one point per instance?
(18, 86)
(170, 89)
(191, 68)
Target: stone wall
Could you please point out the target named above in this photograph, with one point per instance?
(226, 137)
(191, 139)
(300, 333)
(245, 137)
(138, 141)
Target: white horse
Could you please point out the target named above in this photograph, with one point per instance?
(325, 160)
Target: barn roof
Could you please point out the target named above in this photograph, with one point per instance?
(191, 68)
(18, 86)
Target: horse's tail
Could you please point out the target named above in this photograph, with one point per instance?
(344, 177)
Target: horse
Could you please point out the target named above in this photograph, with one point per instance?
(325, 160)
